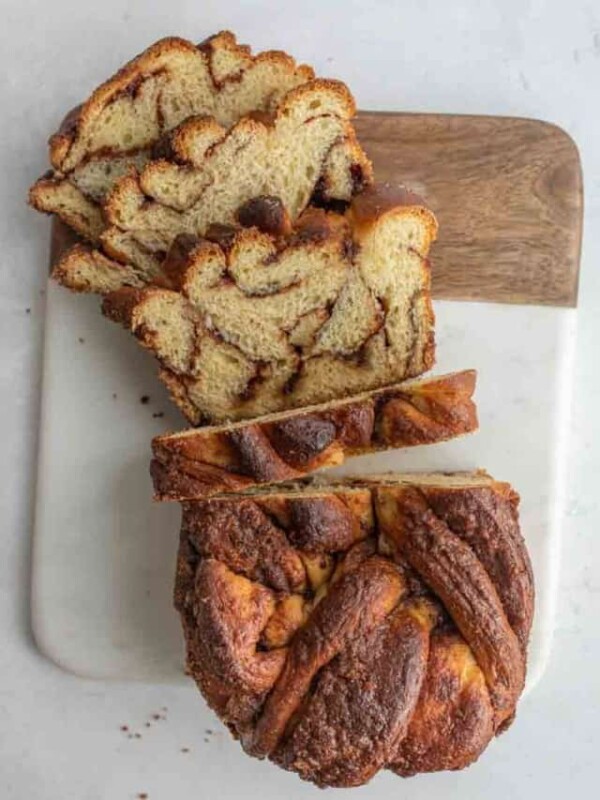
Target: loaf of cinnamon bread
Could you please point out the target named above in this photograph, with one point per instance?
(290, 445)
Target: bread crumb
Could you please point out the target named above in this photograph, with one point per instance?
(124, 728)
(158, 414)
(144, 399)
(142, 796)
(28, 311)
(185, 749)
(81, 340)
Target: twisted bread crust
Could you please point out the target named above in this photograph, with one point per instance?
(345, 629)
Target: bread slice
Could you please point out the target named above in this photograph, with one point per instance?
(290, 445)
(410, 596)
(117, 127)
(259, 323)
(181, 116)
(211, 171)
(306, 151)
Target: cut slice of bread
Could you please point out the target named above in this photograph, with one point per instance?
(124, 118)
(177, 102)
(213, 171)
(306, 151)
(258, 323)
(289, 445)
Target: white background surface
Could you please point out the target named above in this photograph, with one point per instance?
(59, 736)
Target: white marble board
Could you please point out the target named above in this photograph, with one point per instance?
(104, 553)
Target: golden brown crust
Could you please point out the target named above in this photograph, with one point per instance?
(358, 601)
(245, 540)
(487, 521)
(451, 568)
(428, 412)
(224, 621)
(378, 200)
(454, 719)
(369, 692)
(209, 460)
(51, 194)
(375, 656)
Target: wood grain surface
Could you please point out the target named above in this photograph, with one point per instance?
(507, 193)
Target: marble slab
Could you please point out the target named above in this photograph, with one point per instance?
(104, 553)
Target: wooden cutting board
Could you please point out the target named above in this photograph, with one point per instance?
(508, 196)
(507, 193)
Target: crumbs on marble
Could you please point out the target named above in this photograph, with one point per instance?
(145, 399)
(158, 414)
(155, 716)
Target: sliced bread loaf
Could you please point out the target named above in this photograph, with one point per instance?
(124, 118)
(289, 445)
(258, 323)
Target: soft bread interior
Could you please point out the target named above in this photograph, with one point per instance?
(319, 486)
(265, 323)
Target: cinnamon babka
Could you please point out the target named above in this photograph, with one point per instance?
(345, 629)
(258, 322)
(291, 444)
(124, 118)
(183, 136)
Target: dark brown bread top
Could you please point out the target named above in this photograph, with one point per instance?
(382, 672)
(282, 447)
(453, 571)
(452, 733)
(338, 643)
